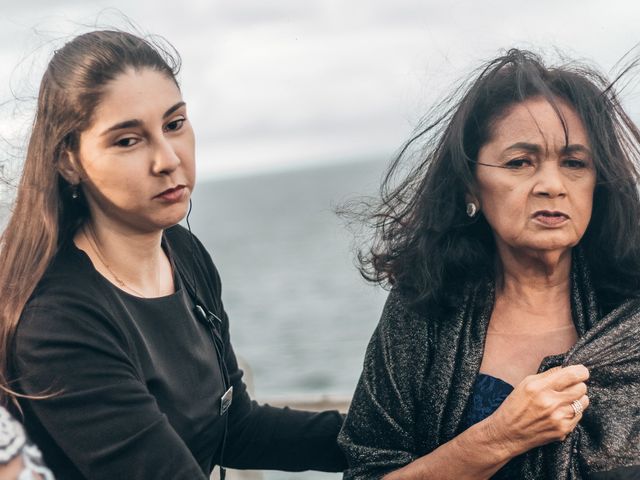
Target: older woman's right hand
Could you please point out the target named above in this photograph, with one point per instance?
(539, 410)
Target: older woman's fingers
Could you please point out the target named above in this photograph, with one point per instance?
(572, 392)
(561, 379)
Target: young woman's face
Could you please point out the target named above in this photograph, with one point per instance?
(535, 184)
(138, 155)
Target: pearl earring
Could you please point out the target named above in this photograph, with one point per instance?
(471, 209)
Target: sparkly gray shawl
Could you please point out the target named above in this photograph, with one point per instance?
(419, 373)
(608, 436)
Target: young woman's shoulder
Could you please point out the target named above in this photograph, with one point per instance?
(180, 238)
(191, 257)
(186, 247)
(71, 298)
(70, 277)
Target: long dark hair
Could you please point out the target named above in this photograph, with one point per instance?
(426, 245)
(45, 214)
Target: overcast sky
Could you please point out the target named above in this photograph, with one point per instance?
(294, 82)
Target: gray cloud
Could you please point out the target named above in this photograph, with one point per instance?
(301, 74)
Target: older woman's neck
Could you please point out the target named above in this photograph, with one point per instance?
(531, 276)
(533, 293)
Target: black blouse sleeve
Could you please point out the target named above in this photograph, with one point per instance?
(265, 437)
(102, 417)
(261, 436)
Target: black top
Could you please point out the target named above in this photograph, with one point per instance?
(136, 383)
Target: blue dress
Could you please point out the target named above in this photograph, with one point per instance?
(487, 395)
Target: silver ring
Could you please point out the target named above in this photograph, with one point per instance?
(577, 408)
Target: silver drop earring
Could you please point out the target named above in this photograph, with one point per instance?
(75, 194)
(471, 209)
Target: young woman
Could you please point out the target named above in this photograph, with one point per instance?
(115, 341)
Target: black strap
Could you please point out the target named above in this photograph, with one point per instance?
(213, 323)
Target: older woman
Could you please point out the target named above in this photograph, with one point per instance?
(508, 344)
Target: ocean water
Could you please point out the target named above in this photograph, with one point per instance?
(300, 313)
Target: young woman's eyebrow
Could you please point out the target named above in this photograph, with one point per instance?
(121, 125)
(134, 123)
(173, 109)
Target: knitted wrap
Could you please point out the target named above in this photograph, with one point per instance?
(419, 372)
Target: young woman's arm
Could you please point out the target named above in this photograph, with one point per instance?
(265, 437)
(259, 436)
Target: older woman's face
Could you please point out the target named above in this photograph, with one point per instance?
(534, 183)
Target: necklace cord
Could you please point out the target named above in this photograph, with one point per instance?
(90, 233)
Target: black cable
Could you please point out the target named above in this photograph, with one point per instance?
(193, 253)
(205, 317)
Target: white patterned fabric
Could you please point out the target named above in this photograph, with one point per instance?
(12, 437)
(13, 444)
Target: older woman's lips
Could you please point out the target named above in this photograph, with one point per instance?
(550, 218)
(172, 194)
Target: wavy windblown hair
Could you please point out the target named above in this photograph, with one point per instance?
(44, 215)
(425, 243)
